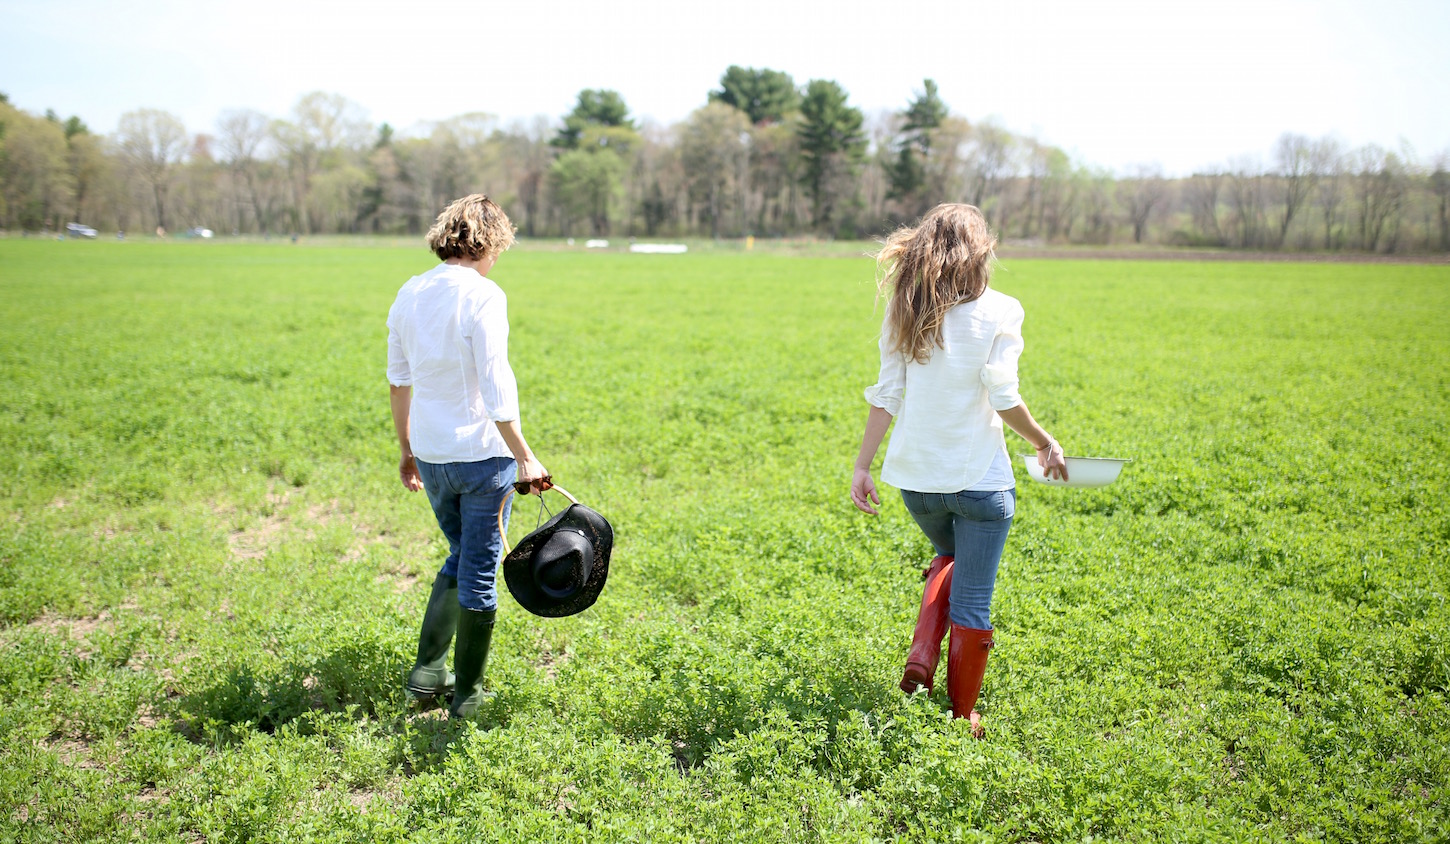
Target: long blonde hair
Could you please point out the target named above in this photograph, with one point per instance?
(926, 270)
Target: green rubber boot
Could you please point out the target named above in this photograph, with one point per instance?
(430, 677)
(470, 655)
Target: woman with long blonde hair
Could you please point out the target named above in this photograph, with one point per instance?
(949, 351)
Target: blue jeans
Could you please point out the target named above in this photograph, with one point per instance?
(972, 526)
(465, 498)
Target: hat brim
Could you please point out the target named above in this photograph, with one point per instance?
(518, 565)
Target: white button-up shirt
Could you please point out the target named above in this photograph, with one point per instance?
(448, 337)
(947, 432)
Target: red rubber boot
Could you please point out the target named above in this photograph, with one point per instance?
(931, 626)
(966, 665)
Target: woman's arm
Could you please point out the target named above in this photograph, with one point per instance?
(401, 399)
(863, 488)
(499, 388)
(885, 399)
(999, 375)
(530, 469)
(1049, 453)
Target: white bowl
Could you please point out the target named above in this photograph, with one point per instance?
(1085, 472)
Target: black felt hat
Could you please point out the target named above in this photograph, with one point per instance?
(560, 568)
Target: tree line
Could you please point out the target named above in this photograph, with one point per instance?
(763, 156)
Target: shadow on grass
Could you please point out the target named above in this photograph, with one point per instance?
(699, 713)
(359, 681)
(358, 676)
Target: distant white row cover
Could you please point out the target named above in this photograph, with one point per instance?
(646, 248)
(659, 248)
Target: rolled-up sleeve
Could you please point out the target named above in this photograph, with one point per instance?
(999, 375)
(399, 373)
(496, 383)
(890, 384)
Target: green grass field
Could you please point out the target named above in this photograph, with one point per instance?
(211, 580)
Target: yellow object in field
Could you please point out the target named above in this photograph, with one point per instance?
(749, 242)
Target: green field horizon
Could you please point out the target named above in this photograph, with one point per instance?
(800, 246)
(211, 580)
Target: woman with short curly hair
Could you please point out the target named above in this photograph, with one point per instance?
(456, 411)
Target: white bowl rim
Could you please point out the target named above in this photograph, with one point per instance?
(1070, 457)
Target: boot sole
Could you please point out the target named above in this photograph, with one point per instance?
(421, 693)
(915, 678)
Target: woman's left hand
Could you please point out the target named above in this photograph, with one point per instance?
(408, 473)
(863, 491)
(1052, 461)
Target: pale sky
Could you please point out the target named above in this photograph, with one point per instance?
(1115, 82)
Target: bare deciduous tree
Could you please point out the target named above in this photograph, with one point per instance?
(1052, 178)
(241, 134)
(775, 174)
(990, 162)
(525, 155)
(1142, 192)
(152, 143)
(1379, 189)
(1095, 200)
(1294, 157)
(1246, 196)
(713, 147)
(1328, 162)
(1202, 193)
(323, 127)
(1440, 188)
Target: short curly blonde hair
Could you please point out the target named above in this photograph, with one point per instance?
(471, 228)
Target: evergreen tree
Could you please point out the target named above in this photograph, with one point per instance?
(597, 107)
(832, 145)
(926, 112)
(766, 96)
(908, 172)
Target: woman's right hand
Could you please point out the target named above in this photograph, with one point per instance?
(1052, 461)
(408, 472)
(863, 491)
(532, 472)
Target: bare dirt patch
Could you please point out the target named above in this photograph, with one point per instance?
(550, 661)
(325, 512)
(563, 801)
(254, 543)
(73, 753)
(276, 524)
(76, 630)
(402, 581)
(255, 540)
